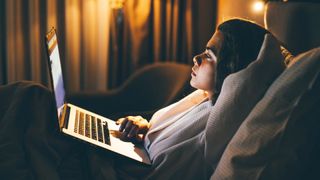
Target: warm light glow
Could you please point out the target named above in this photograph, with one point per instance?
(258, 6)
(116, 4)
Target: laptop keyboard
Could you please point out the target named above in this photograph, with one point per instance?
(91, 127)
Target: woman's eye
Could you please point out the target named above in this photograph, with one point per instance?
(207, 55)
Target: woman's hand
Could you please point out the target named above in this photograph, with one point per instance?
(133, 126)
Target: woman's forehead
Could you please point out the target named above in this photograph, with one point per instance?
(215, 43)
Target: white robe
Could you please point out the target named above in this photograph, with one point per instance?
(174, 138)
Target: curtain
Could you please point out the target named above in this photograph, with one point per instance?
(100, 47)
(2, 45)
(83, 36)
(145, 32)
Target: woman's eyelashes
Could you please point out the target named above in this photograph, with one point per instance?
(207, 55)
(210, 54)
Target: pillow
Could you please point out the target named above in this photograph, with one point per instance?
(275, 137)
(240, 93)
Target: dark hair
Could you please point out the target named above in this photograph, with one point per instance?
(242, 40)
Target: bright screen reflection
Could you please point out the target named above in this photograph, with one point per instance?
(57, 77)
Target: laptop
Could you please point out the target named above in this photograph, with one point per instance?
(83, 124)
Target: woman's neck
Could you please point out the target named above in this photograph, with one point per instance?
(209, 94)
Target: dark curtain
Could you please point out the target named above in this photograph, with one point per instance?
(2, 54)
(82, 29)
(20, 53)
(142, 32)
(145, 32)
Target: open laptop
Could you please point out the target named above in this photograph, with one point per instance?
(80, 123)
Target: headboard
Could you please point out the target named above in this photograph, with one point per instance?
(296, 24)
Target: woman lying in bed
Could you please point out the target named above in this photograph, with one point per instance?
(171, 137)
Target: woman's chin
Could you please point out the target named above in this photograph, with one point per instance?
(193, 84)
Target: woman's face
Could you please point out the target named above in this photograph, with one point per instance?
(204, 69)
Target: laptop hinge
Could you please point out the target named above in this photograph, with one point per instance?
(64, 119)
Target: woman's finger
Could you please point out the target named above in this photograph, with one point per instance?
(123, 124)
(119, 121)
(126, 130)
(128, 126)
(133, 132)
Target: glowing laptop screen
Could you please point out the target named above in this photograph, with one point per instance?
(56, 71)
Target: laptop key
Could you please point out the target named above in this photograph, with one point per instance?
(81, 124)
(76, 122)
(93, 128)
(87, 126)
(106, 133)
(100, 138)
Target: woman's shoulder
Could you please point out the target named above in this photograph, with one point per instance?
(196, 96)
